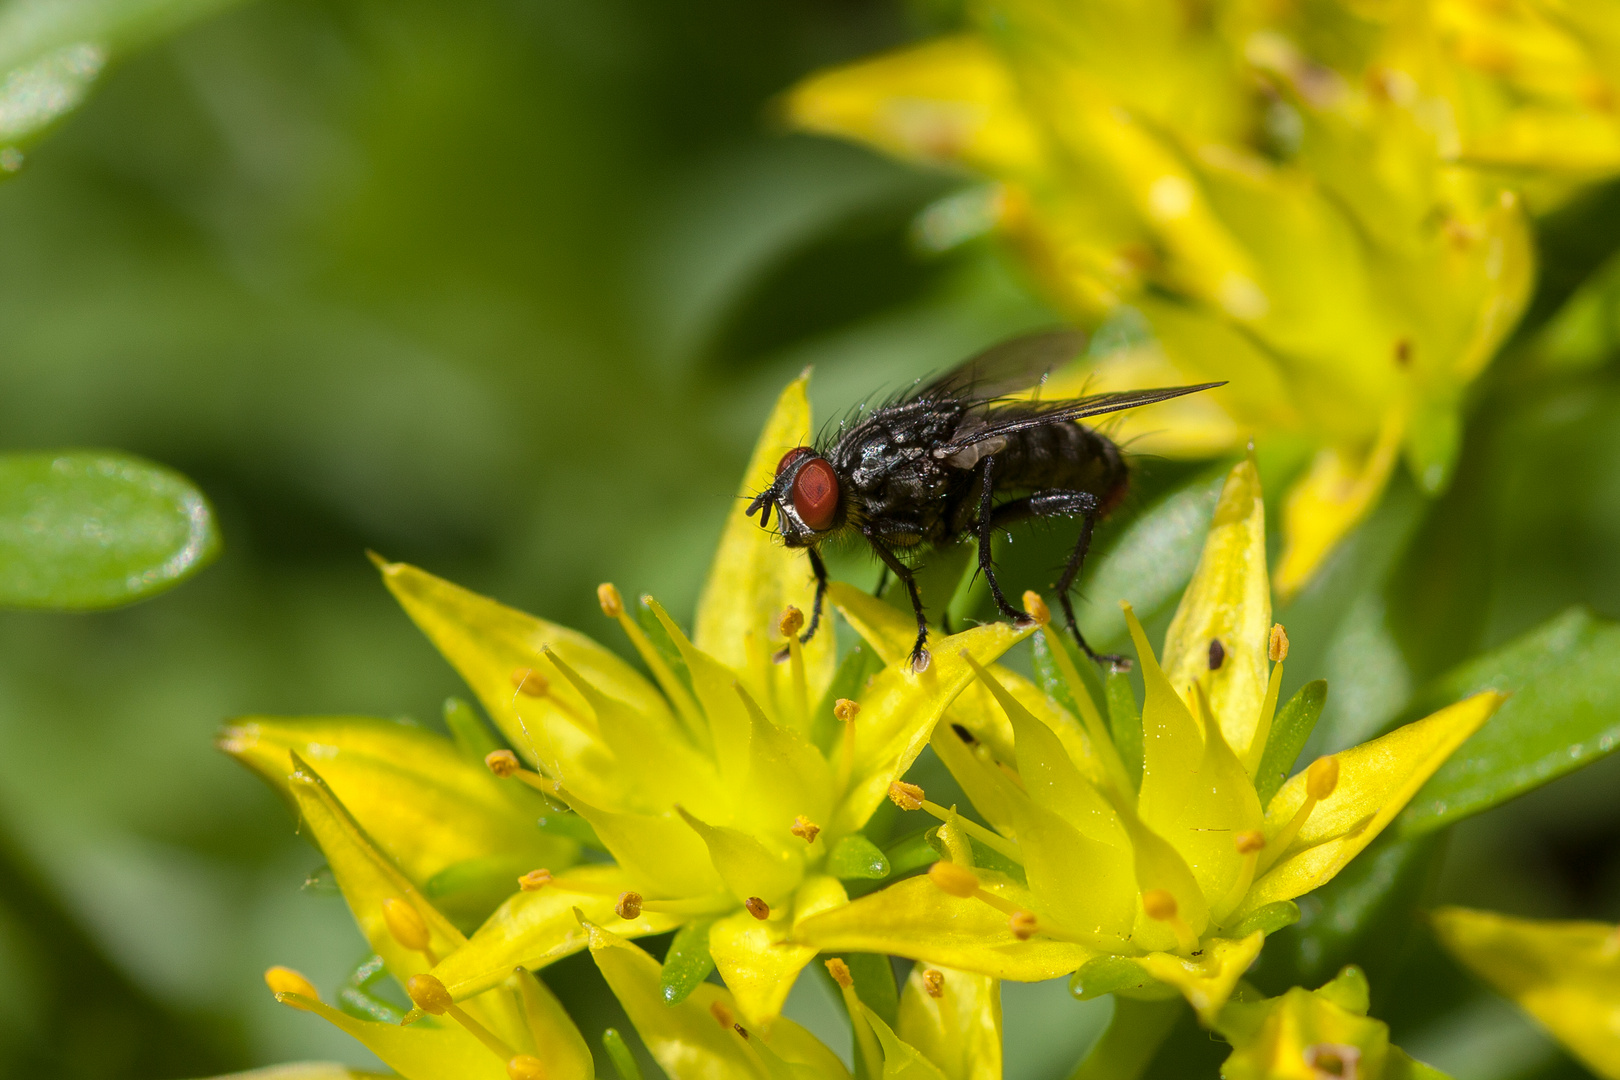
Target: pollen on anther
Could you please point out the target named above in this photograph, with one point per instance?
(722, 1015)
(1217, 654)
(953, 879)
(906, 796)
(429, 994)
(502, 763)
(607, 594)
(791, 622)
(525, 1067)
(284, 980)
(840, 973)
(1249, 841)
(529, 682)
(1277, 648)
(629, 906)
(1037, 608)
(846, 710)
(934, 982)
(405, 924)
(535, 880)
(1159, 904)
(758, 908)
(805, 829)
(1322, 777)
(1022, 924)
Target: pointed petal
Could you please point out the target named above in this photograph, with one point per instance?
(1228, 600)
(901, 1060)
(426, 1050)
(715, 685)
(687, 1039)
(567, 1055)
(1565, 974)
(423, 804)
(1209, 980)
(913, 918)
(1376, 779)
(748, 867)
(1089, 887)
(753, 579)
(533, 929)
(960, 1030)
(486, 642)
(786, 777)
(900, 708)
(658, 852)
(1338, 491)
(758, 960)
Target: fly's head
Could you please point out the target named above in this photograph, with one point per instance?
(807, 497)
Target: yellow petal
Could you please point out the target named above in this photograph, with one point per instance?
(1273, 1039)
(753, 578)
(756, 957)
(748, 867)
(658, 852)
(1229, 601)
(486, 642)
(1089, 887)
(688, 1039)
(899, 709)
(960, 1030)
(715, 685)
(1331, 499)
(1565, 974)
(1208, 980)
(913, 918)
(787, 777)
(420, 801)
(556, 1039)
(1376, 779)
(946, 100)
(533, 929)
(901, 1060)
(429, 1049)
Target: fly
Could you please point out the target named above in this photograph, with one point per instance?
(959, 458)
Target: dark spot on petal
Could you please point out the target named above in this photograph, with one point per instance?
(964, 734)
(1217, 654)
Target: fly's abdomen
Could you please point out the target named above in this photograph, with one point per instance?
(1063, 455)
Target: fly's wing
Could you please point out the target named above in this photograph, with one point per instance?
(1021, 417)
(1016, 364)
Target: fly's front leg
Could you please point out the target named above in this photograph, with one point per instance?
(820, 570)
(919, 651)
(987, 529)
(1055, 502)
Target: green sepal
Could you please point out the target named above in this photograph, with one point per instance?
(469, 732)
(1293, 725)
(1125, 723)
(874, 984)
(912, 853)
(618, 1052)
(1118, 975)
(687, 963)
(1268, 920)
(857, 857)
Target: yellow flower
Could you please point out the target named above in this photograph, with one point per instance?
(1319, 203)
(730, 791)
(1174, 886)
(1565, 974)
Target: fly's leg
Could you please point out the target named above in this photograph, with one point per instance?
(820, 569)
(987, 529)
(883, 582)
(919, 651)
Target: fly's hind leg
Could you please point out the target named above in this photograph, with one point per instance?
(1058, 502)
(919, 651)
(988, 520)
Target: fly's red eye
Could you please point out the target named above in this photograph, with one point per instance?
(790, 457)
(815, 494)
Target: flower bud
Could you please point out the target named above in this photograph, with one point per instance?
(840, 973)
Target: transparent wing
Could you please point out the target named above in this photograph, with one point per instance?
(1021, 416)
(1012, 365)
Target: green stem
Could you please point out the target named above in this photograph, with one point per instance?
(1132, 1040)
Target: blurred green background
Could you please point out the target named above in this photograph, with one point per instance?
(504, 289)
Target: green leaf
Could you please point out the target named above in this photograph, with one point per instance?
(1563, 711)
(83, 530)
(1289, 730)
(857, 857)
(624, 1062)
(687, 963)
(469, 732)
(1125, 722)
(912, 853)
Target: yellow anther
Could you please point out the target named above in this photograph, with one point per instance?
(805, 829)
(791, 622)
(840, 973)
(933, 979)
(526, 1067)
(529, 682)
(953, 879)
(1159, 904)
(284, 980)
(1022, 924)
(722, 1015)
(405, 924)
(535, 880)
(1322, 777)
(1278, 646)
(607, 594)
(1333, 1061)
(502, 763)
(758, 908)
(906, 796)
(1249, 841)
(429, 994)
(845, 709)
(629, 906)
(1037, 608)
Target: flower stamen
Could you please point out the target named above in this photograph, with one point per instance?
(607, 594)
(284, 980)
(1277, 650)
(758, 908)
(529, 682)
(1249, 844)
(430, 995)
(805, 829)
(846, 710)
(1161, 906)
(865, 1038)
(535, 880)
(957, 880)
(505, 765)
(910, 797)
(629, 906)
(789, 625)
(1023, 925)
(933, 979)
(406, 926)
(722, 1015)
(526, 1067)
(905, 796)
(1320, 781)
(1039, 612)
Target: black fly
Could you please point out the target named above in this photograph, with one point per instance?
(956, 458)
